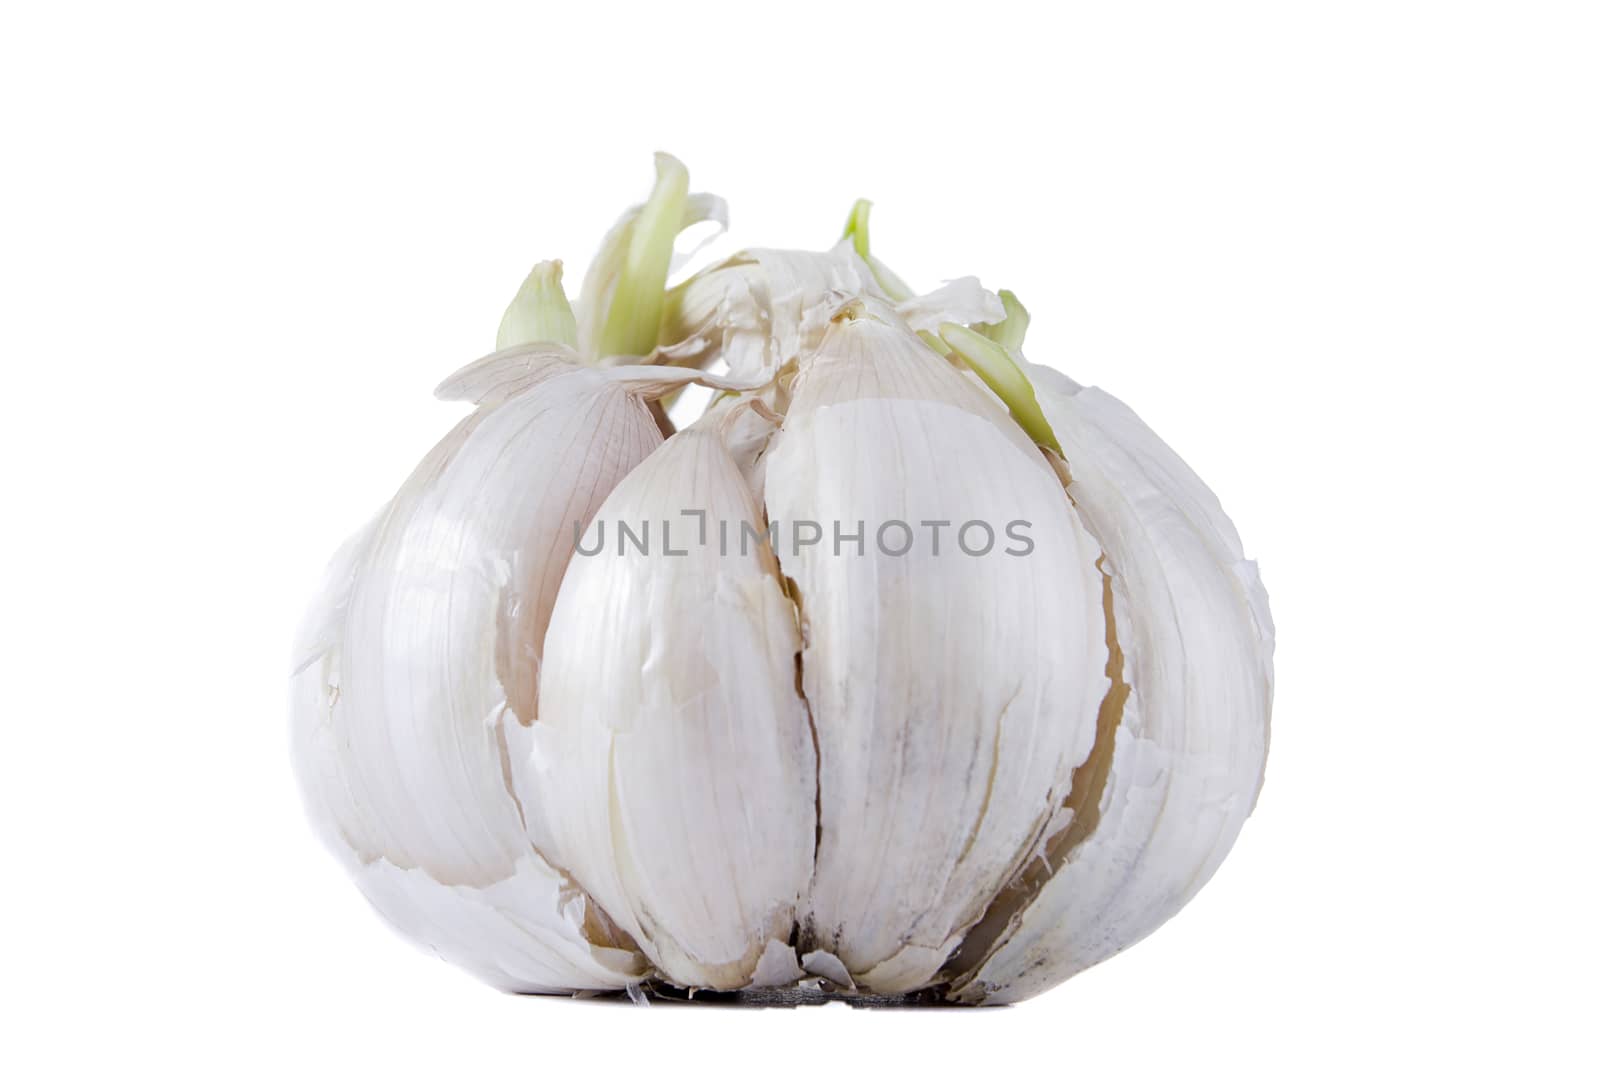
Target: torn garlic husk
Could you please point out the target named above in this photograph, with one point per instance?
(909, 668)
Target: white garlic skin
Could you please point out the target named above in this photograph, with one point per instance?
(962, 778)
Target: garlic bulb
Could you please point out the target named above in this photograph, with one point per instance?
(909, 668)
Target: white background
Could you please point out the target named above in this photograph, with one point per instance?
(1345, 257)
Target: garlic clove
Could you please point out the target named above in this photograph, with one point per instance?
(672, 770)
(430, 637)
(1187, 756)
(952, 694)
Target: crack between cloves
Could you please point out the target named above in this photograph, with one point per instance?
(816, 751)
(504, 748)
(1084, 798)
(663, 421)
(800, 938)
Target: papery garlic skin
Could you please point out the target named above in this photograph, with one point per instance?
(672, 769)
(858, 766)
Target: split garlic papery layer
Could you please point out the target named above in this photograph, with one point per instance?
(909, 668)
